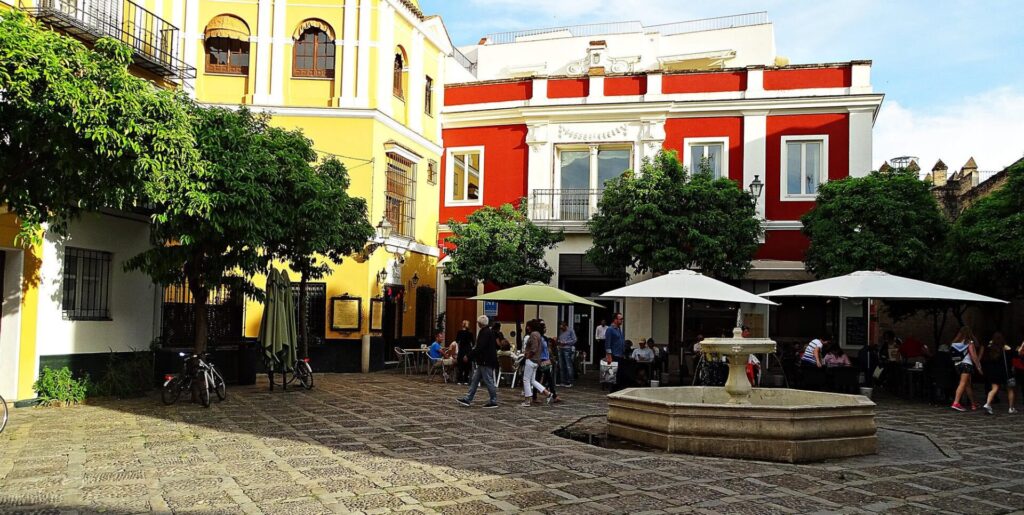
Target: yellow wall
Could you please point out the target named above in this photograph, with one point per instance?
(9, 228)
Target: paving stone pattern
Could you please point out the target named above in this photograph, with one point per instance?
(387, 442)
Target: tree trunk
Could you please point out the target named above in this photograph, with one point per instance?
(303, 322)
(199, 300)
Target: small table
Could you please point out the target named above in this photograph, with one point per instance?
(418, 354)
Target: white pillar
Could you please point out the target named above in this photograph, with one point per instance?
(755, 82)
(416, 97)
(365, 41)
(596, 90)
(861, 150)
(348, 54)
(653, 87)
(385, 65)
(280, 42)
(442, 61)
(540, 92)
(755, 132)
(860, 77)
(264, 37)
(192, 37)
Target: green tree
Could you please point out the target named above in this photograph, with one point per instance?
(224, 246)
(78, 132)
(319, 222)
(666, 219)
(887, 221)
(501, 245)
(987, 240)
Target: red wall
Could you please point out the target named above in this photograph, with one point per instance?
(479, 94)
(732, 127)
(783, 245)
(618, 86)
(568, 88)
(836, 126)
(808, 78)
(704, 82)
(505, 164)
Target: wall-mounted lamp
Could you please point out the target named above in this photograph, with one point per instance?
(382, 275)
(415, 279)
(756, 186)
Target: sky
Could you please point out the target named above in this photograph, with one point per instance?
(952, 71)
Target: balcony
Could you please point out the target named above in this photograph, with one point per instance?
(569, 209)
(155, 42)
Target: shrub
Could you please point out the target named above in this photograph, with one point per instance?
(59, 387)
(125, 377)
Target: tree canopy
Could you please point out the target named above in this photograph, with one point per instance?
(987, 240)
(78, 132)
(665, 218)
(501, 245)
(887, 221)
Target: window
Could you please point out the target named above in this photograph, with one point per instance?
(804, 166)
(428, 97)
(582, 174)
(86, 284)
(465, 180)
(710, 152)
(432, 172)
(396, 78)
(400, 195)
(313, 54)
(229, 56)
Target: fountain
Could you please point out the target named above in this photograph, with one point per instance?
(738, 421)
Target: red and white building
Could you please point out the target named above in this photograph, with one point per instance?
(549, 115)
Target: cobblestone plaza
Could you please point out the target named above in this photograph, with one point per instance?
(384, 442)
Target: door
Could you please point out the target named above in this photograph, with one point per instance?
(458, 309)
(394, 306)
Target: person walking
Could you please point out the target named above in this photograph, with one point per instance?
(995, 359)
(965, 357)
(485, 356)
(465, 340)
(531, 362)
(566, 354)
(615, 350)
(548, 363)
(599, 334)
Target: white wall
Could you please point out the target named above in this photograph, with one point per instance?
(10, 325)
(132, 298)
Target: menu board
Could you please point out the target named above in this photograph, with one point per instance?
(856, 332)
(376, 314)
(346, 313)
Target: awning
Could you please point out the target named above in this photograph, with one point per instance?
(227, 26)
(879, 285)
(313, 23)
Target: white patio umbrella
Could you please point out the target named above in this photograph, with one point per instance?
(878, 285)
(686, 284)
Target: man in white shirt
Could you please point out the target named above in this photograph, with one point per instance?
(599, 335)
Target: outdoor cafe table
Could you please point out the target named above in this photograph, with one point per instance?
(419, 354)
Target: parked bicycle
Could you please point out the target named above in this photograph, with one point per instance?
(198, 372)
(300, 370)
(3, 414)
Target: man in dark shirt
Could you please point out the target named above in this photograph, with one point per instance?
(485, 356)
(615, 350)
(465, 340)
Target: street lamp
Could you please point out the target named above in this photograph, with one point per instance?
(384, 229)
(756, 186)
(382, 275)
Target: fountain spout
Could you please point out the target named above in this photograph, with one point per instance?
(737, 349)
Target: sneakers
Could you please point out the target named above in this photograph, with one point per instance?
(958, 407)
(568, 385)
(463, 401)
(526, 404)
(1012, 410)
(988, 409)
(550, 399)
(974, 407)
(490, 405)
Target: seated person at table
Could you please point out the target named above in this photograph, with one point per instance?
(644, 354)
(813, 352)
(435, 351)
(451, 351)
(504, 348)
(628, 350)
(835, 357)
(913, 351)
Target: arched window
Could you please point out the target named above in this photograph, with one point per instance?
(314, 50)
(227, 46)
(398, 75)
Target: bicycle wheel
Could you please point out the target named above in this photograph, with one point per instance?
(219, 385)
(304, 373)
(204, 388)
(3, 414)
(172, 390)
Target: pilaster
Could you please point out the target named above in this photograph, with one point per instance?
(755, 133)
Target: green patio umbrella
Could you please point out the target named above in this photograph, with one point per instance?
(534, 293)
(278, 326)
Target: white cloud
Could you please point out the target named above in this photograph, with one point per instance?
(988, 126)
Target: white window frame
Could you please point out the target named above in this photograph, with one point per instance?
(593, 148)
(722, 140)
(449, 176)
(784, 195)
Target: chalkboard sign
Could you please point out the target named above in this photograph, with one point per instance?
(856, 332)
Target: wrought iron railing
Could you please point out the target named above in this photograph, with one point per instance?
(565, 205)
(463, 60)
(156, 44)
(625, 27)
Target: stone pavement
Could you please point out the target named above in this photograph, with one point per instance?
(386, 442)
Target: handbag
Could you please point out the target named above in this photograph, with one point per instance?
(609, 372)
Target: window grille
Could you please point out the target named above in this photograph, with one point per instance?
(397, 76)
(314, 55)
(428, 97)
(86, 284)
(400, 196)
(229, 56)
(432, 172)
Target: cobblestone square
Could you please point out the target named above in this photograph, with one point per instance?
(388, 442)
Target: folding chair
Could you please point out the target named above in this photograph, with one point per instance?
(404, 358)
(507, 366)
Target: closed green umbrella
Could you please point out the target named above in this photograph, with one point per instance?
(278, 327)
(289, 323)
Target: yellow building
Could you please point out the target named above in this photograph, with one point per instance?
(362, 79)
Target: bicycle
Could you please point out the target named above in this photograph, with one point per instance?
(195, 371)
(3, 414)
(300, 370)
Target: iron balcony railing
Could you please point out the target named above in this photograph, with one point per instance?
(156, 43)
(463, 60)
(626, 27)
(564, 205)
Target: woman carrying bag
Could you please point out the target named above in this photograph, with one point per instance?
(997, 363)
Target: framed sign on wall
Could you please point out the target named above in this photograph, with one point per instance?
(346, 313)
(377, 314)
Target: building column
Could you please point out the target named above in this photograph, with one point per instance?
(416, 96)
(365, 41)
(348, 54)
(385, 46)
(192, 36)
(264, 37)
(540, 92)
(442, 61)
(861, 149)
(755, 82)
(755, 133)
(281, 41)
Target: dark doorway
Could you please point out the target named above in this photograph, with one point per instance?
(225, 316)
(316, 310)
(391, 320)
(425, 300)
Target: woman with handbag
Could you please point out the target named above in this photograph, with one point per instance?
(995, 360)
(965, 359)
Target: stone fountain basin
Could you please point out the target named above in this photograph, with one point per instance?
(778, 425)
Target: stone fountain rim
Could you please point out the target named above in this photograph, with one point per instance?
(862, 401)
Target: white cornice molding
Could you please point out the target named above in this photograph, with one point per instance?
(782, 225)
